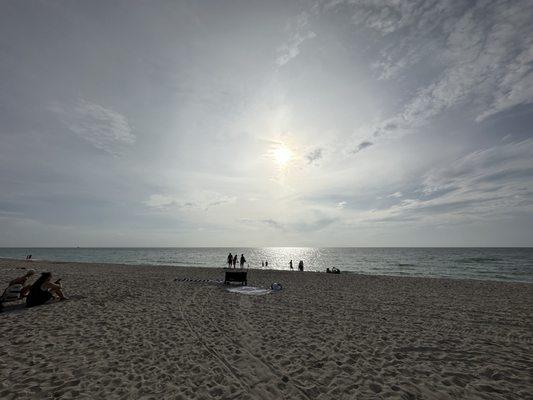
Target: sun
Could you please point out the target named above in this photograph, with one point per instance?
(282, 155)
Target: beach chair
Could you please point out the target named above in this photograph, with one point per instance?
(236, 276)
(12, 293)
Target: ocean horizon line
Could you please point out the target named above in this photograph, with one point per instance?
(266, 247)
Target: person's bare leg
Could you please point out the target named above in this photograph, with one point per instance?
(58, 293)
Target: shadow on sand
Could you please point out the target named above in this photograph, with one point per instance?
(18, 307)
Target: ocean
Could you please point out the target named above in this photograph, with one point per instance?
(505, 264)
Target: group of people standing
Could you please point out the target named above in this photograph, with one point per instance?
(300, 265)
(232, 262)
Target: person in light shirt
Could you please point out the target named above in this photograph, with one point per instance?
(23, 280)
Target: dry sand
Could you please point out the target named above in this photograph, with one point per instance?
(131, 332)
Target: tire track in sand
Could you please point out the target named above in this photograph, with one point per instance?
(243, 379)
(249, 328)
(191, 301)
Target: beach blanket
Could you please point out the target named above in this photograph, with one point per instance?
(198, 280)
(249, 290)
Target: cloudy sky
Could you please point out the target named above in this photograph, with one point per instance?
(266, 123)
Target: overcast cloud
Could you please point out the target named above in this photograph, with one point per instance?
(133, 123)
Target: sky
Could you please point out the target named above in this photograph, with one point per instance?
(266, 123)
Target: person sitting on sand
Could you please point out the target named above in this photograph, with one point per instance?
(22, 280)
(43, 290)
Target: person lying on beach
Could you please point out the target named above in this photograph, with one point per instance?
(22, 280)
(44, 290)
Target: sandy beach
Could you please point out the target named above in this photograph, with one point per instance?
(132, 332)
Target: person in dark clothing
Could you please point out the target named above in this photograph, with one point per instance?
(243, 260)
(290, 265)
(43, 290)
(234, 260)
(230, 260)
(301, 266)
(266, 264)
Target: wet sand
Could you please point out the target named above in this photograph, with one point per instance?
(132, 332)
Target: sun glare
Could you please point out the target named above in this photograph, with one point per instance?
(282, 155)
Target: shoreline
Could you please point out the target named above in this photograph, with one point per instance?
(343, 273)
(136, 333)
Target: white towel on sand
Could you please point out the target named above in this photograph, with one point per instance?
(250, 290)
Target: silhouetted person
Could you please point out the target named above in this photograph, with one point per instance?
(266, 264)
(43, 290)
(301, 266)
(243, 260)
(262, 263)
(230, 260)
(328, 271)
(290, 265)
(234, 260)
